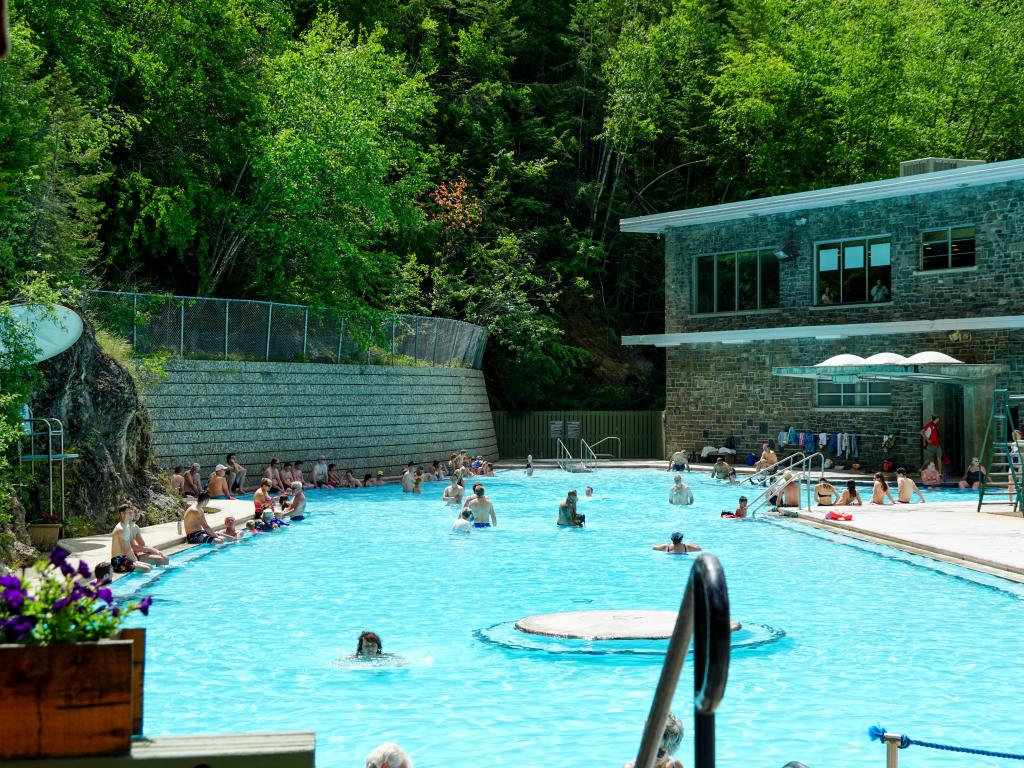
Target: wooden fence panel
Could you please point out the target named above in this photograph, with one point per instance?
(640, 433)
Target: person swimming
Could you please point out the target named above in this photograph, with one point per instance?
(677, 545)
(369, 645)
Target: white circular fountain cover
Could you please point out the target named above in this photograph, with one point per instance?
(53, 331)
(602, 625)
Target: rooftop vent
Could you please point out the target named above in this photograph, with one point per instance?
(932, 164)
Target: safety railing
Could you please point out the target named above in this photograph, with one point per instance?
(568, 462)
(798, 472)
(234, 329)
(606, 455)
(759, 477)
(896, 741)
(704, 615)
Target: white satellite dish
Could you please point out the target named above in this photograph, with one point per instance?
(52, 330)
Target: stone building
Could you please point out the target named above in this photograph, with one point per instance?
(759, 291)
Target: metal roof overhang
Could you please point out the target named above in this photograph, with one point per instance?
(972, 176)
(931, 373)
(826, 332)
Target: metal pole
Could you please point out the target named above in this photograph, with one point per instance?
(341, 337)
(227, 304)
(416, 343)
(135, 309)
(392, 339)
(270, 319)
(433, 355)
(369, 343)
(892, 748)
(305, 334)
(181, 330)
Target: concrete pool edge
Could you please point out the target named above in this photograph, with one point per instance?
(941, 554)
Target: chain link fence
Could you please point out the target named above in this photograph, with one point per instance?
(234, 329)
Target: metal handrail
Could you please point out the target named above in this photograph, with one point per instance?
(771, 470)
(584, 450)
(610, 437)
(704, 615)
(802, 469)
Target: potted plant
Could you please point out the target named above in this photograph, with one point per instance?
(67, 676)
(43, 527)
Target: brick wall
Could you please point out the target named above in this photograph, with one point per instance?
(360, 417)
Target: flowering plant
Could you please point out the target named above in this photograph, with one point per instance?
(65, 605)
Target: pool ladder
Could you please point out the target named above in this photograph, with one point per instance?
(801, 470)
(703, 615)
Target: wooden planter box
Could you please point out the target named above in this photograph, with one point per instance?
(70, 700)
(44, 536)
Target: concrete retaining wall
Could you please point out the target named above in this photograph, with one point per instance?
(362, 418)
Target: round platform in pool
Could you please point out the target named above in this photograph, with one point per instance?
(601, 625)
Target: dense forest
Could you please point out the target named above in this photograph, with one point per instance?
(464, 159)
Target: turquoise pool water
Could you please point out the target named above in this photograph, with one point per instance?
(254, 636)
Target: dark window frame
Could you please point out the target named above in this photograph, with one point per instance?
(848, 393)
(922, 264)
(841, 244)
(761, 254)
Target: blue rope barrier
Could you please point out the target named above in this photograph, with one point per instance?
(877, 733)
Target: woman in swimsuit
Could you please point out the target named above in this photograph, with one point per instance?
(930, 475)
(677, 546)
(974, 476)
(825, 493)
(880, 490)
(851, 496)
(261, 498)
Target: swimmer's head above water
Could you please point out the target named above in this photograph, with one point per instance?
(677, 537)
(369, 644)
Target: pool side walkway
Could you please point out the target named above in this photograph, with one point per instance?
(165, 536)
(953, 532)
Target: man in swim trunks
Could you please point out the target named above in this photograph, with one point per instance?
(138, 544)
(453, 491)
(197, 530)
(218, 487)
(721, 470)
(825, 494)
(122, 557)
(193, 481)
(481, 508)
(567, 515)
(906, 487)
(677, 546)
(463, 523)
(768, 458)
(297, 506)
(408, 478)
(235, 474)
(679, 461)
(273, 474)
(178, 480)
(680, 492)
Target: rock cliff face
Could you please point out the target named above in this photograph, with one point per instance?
(105, 422)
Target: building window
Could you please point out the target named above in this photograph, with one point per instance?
(735, 282)
(854, 271)
(947, 248)
(863, 394)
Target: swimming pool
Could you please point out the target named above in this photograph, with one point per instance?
(252, 637)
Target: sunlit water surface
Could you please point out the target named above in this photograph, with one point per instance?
(254, 637)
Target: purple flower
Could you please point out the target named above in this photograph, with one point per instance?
(66, 569)
(58, 556)
(115, 611)
(144, 604)
(12, 582)
(83, 569)
(105, 595)
(14, 598)
(17, 628)
(61, 603)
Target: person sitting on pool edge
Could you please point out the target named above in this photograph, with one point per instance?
(369, 645)
(906, 487)
(567, 515)
(677, 546)
(851, 496)
(197, 530)
(741, 509)
(218, 485)
(930, 476)
(139, 547)
(680, 492)
(785, 492)
(974, 475)
(670, 741)
(825, 493)
(880, 490)
(482, 508)
(122, 558)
